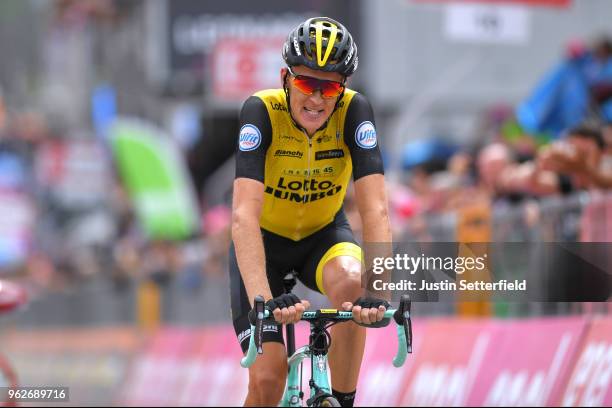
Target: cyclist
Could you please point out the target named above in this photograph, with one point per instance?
(297, 148)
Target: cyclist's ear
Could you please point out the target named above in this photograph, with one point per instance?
(283, 77)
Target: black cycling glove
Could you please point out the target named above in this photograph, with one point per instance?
(369, 302)
(280, 302)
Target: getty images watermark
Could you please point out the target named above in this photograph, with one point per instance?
(404, 263)
(499, 271)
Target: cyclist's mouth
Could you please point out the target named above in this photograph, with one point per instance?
(313, 113)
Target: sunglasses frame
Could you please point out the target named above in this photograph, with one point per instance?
(297, 76)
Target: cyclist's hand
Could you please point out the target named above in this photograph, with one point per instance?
(287, 308)
(368, 311)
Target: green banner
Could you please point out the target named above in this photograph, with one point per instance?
(153, 171)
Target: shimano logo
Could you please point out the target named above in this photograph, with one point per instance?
(296, 45)
(289, 153)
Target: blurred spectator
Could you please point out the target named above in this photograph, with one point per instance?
(579, 158)
(576, 89)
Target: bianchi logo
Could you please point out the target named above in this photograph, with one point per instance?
(288, 153)
(267, 328)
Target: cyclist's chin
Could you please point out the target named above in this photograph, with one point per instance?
(312, 122)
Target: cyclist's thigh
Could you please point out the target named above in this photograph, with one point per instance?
(335, 240)
(241, 305)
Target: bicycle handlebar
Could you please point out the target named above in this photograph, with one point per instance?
(401, 316)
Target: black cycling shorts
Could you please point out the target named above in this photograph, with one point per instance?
(306, 257)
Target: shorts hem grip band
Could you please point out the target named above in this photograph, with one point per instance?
(339, 249)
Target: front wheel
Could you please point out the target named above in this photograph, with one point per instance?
(327, 402)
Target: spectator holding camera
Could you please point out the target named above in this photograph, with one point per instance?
(578, 160)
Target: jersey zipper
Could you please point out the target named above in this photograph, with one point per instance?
(304, 190)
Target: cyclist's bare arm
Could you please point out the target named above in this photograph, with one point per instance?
(247, 204)
(371, 198)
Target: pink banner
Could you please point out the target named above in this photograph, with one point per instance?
(380, 383)
(527, 362)
(589, 382)
(449, 359)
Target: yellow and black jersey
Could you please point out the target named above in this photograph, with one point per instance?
(305, 178)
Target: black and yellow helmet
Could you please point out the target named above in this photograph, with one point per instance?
(323, 44)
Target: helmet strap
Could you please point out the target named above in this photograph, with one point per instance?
(286, 88)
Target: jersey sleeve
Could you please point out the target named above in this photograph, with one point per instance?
(253, 140)
(360, 137)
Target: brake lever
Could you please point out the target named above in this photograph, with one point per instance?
(259, 311)
(402, 318)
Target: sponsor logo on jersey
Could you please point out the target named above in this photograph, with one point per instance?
(365, 135)
(303, 191)
(288, 153)
(278, 106)
(314, 172)
(323, 139)
(329, 154)
(250, 138)
(290, 138)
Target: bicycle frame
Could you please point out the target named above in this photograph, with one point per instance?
(319, 382)
(291, 397)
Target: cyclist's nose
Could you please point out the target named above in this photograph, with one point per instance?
(316, 96)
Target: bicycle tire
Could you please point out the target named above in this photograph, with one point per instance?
(328, 402)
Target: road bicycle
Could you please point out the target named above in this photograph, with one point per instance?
(318, 346)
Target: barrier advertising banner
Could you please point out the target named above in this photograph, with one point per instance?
(380, 383)
(447, 363)
(527, 362)
(589, 382)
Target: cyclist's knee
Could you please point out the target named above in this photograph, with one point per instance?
(342, 280)
(268, 387)
(268, 375)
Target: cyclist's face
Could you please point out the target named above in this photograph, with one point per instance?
(310, 111)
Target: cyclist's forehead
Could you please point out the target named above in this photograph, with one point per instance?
(330, 76)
